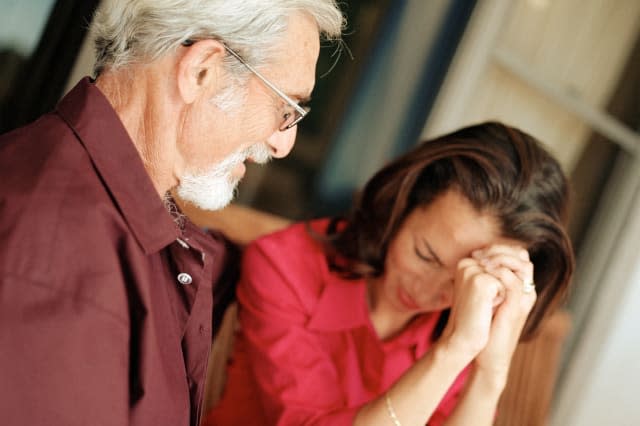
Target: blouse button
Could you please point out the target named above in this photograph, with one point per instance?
(184, 278)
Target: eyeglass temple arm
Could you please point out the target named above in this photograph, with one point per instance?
(280, 93)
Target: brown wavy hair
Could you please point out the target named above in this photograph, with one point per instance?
(501, 170)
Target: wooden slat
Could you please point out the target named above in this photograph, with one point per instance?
(527, 397)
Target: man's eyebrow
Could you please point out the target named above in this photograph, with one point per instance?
(431, 252)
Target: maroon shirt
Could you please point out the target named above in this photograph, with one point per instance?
(105, 304)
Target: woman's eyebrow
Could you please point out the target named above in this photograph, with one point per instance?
(432, 253)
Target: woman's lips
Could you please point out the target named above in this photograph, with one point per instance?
(407, 301)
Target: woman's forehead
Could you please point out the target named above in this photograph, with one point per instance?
(451, 224)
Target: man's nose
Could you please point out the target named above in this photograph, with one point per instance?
(281, 143)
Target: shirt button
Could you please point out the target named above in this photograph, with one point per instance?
(184, 278)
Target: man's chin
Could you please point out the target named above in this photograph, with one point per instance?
(210, 203)
(211, 197)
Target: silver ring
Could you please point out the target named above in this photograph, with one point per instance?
(528, 286)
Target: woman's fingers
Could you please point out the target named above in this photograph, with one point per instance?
(514, 250)
(507, 263)
(472, 309)
(516, 296)
(491, 303)
(511, 266)
(473, 279)
(490, 297)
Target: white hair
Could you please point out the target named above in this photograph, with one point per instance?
(138, 31)
(214, 188)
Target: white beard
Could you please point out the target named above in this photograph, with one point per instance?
(213, 189)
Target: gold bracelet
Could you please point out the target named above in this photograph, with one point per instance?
(391, 411)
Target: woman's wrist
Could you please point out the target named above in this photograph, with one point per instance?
(457, 349)
(492, 381)
(450, 352)
(458, 356)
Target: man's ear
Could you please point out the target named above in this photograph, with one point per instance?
(199, 68)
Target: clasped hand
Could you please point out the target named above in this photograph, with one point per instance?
(490, 307)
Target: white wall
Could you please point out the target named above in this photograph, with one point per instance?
(600, 385)
(611, 384)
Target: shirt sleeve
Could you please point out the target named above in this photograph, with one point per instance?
(61, 361)
(296, 376)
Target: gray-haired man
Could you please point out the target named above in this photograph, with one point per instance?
(105, 296)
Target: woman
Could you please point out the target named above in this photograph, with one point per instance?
(406, 312)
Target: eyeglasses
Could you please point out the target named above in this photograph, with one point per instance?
(292, 116)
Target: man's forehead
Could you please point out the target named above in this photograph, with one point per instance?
(295, 78)
(296, 58)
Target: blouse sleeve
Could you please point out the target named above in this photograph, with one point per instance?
(297, 379)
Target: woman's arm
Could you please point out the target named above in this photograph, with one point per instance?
(478, 402)
(413, 399)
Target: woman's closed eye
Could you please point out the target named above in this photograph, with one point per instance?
(425, 257)
(425, 252)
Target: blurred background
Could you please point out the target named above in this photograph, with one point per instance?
(566, 71)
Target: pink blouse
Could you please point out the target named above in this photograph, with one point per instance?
(307, 352)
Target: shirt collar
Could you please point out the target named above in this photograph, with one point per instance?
(342, 306)
(92, 118)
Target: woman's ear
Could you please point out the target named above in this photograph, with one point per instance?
(200, 68)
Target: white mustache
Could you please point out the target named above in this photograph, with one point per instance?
(258, 153)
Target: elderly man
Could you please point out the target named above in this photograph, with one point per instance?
(106, 290)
